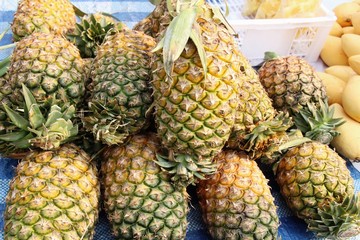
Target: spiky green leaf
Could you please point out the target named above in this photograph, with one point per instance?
(16, 118)
(13, 136)
(36, 118)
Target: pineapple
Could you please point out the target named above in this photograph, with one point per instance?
(291, 82)
(195, 90)
(51, 67)
(317, 186)
(120, 89)
(53, 195)
(43, 16)
(140, 200)
(236, 201)
(257, 124)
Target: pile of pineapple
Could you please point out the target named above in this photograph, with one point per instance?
(101, 115)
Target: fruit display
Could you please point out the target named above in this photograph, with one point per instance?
(161, 127)
(341, 56)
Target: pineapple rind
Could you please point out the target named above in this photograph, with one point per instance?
(53, 194)
(120, 89)
(312, 175)
(140, 200)
(51, 67)
(43, 16)
(195, 113)
(236, 201)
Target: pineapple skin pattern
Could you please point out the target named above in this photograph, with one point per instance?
(54, 195)
(51, 67)
(43, 16)
(140, 200)
(312, 175)
(236, 202)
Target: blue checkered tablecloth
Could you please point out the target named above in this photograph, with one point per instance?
(130, 12)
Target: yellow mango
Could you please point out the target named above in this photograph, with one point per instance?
(341, 71)
(332, 52)
(349, 29)
(355, 20)
(354, 62)
(351, 98)
(350, 43)
(334, 87)
(336, 30)
(348, 142)
(343, 12)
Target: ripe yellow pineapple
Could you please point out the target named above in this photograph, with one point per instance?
(317, 186)
(51, 67)
(258, 125)
(140, 200)
(43, 16)
(53, 195)
(236, 201)
(195, 90)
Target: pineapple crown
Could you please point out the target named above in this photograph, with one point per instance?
(184, 169)
(264, 131)
(28, 127)
(318, 123)
(106, 125)
(92, 31)
(337, 220)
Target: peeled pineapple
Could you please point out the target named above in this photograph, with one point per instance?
(281, 8)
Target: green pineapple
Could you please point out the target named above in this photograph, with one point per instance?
(53, 195)
(120, 96)
(51, 67)
(45, 16)
(140, 200)
(317, 186)
(236, 201)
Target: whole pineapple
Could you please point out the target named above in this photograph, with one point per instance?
(140, 200)
(51, 67)
(291, 82)
(53, 195)
(120, 87)
(43, 16)
(196, 94)
(236, 202)
(317, 186)
(258, 125)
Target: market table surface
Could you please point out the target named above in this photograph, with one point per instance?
(130, 12)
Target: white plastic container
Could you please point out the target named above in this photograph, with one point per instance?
(302, 37)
